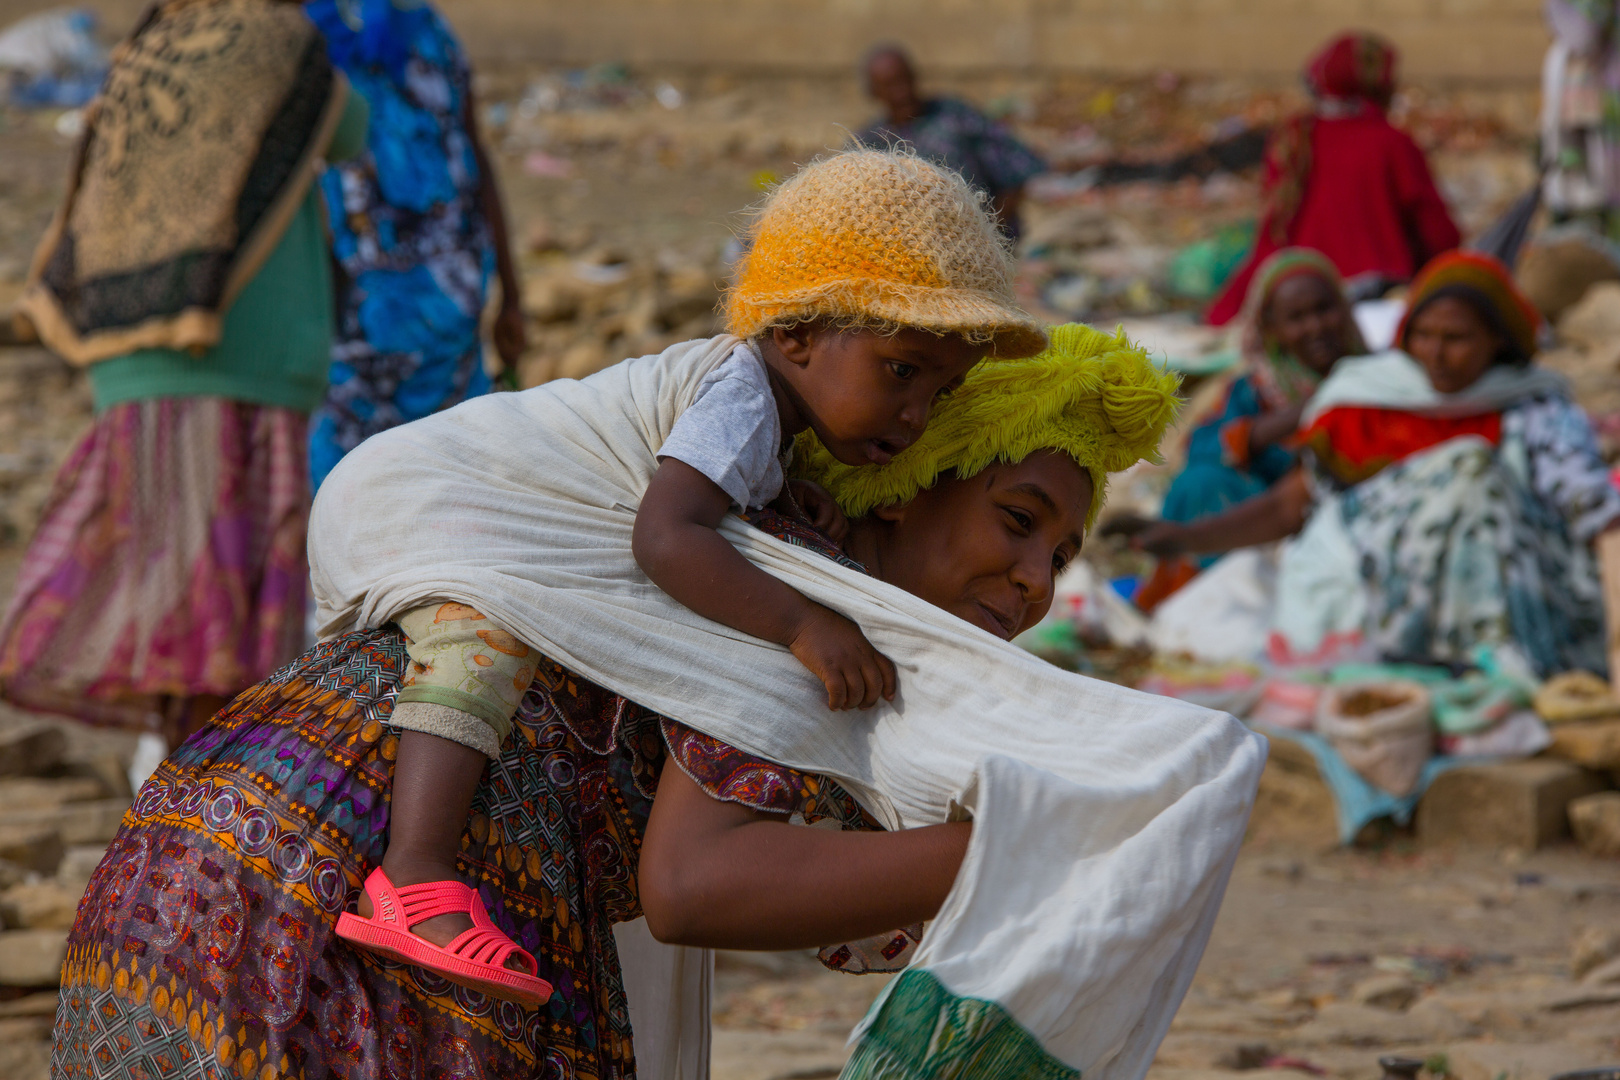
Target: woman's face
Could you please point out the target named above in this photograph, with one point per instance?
(986, 549)
(1454, 345)
(1307, 318)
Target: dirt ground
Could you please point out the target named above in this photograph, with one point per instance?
(623, 208)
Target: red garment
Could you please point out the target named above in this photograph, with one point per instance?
(1370, 205)
(1353, 442)
(1356, 64)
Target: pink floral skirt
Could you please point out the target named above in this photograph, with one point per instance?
(169, 562)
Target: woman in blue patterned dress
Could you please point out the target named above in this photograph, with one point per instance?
(417, 228)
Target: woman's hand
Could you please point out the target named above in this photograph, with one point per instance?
(1162, 538)
(836, 652)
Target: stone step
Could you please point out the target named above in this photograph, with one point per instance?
(1508, 804)
(33, 846)
(1595, 821)
(30, 751)
(32, 957)
(92, 822)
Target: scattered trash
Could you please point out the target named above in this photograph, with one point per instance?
(1400, 1068)
(1290, 1061)
(52, 59)
(70, 125)
(540, 163)
(607, 273)
(669, 96)
(1200, 269)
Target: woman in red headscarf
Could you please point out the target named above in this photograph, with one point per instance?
(1343, 180)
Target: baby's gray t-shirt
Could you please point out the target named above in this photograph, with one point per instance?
(732, 433)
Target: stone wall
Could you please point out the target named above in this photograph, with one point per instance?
(1492, 41)
(1474, 41)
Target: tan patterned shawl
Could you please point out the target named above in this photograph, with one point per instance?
(195, 157)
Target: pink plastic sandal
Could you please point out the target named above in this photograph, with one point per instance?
(476, 958)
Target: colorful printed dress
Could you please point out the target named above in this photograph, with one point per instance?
(205, 944)
(411, 241)
(1221, 471)
(1452, 533)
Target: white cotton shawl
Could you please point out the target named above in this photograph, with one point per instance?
(1393, 380)
(1106, 820)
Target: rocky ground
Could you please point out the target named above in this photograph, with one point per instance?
(1493, 960)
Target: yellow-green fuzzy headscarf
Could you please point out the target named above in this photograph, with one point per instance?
(1094, 396)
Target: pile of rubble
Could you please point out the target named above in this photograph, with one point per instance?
(60, 805)
(591, 305)
(44, 409)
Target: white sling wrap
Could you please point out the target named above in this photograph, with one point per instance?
(1106, 820)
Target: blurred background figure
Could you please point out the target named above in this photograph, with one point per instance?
(168, 571)
(1580, 114)
(417, 226)
(950, 132)
(1342, 179)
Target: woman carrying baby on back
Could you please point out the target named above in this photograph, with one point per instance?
(255, 836)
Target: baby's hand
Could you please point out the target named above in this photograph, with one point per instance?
(838, 654)
(820, 509)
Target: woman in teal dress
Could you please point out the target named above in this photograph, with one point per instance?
(1296, 326)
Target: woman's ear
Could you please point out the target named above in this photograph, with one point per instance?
(894, 513)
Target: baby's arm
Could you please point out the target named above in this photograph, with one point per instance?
(677, 544)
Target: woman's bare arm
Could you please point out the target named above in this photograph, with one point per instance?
(1275, 513)
(723, 876)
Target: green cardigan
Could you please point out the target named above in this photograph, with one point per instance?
(276, 342)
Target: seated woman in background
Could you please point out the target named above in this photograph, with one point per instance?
(1296, 326)
(1450, 497)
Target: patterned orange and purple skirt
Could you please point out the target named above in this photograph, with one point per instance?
(205, 944)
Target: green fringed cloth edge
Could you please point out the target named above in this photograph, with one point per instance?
(924, 1032)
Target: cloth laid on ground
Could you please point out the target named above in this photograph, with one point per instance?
(1356, 802)
(1114, 814)
(195, 159)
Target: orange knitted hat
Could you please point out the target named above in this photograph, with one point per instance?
(872, 237)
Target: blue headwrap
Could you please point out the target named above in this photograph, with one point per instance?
(372, 34)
